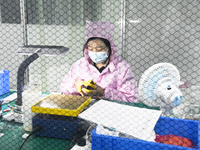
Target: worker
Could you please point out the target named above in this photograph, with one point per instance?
(100, 73)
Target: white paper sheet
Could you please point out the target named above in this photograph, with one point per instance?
(138, 122)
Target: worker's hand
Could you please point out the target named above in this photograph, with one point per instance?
(98, 91)
(90, 85)
(78, 84)
(84, 87)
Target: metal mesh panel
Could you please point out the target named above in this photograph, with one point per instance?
(140, 34)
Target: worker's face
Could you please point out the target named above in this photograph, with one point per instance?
(97, 46)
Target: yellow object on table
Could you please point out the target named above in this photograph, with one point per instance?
(64, 105)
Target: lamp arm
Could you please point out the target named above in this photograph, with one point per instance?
(20, 76)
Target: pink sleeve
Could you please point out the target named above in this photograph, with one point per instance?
(126, 91)
(67, 85)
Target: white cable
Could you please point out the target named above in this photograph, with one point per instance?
(86, 136)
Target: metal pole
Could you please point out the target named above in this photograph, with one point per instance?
(24, 22)
(123, 27)
(25, 37)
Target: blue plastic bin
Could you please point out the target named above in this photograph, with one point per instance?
(4, 82)
(186, 128)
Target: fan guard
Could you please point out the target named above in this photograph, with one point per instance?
(157, 76)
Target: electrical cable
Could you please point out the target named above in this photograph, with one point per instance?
(73, 140)
(6, 125)
(87, 133)
(71, 143)
(25, 140)
(37, 128)
(76, 137)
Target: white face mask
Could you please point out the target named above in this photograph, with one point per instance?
(98, 57)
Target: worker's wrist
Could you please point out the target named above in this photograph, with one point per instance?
(77, 82)
(102, 91)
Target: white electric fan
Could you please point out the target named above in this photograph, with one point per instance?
(159, 87)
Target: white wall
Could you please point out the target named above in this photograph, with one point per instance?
(11, 38)
(168, 31)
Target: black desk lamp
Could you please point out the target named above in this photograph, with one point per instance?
(34, 51)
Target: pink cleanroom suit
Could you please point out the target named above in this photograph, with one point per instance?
(117, 78)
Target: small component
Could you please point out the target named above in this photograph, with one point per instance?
(169, 87)
(1, 134)
(6, 110)
(25, 135)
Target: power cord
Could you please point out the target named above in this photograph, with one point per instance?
(71, 143)
(37, 128)
(7, 125)
(78, 135)
(79, 139)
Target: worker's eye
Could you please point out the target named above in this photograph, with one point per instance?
(100, 48)
(89, 48)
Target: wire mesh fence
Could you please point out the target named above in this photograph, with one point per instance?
(140, 54)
